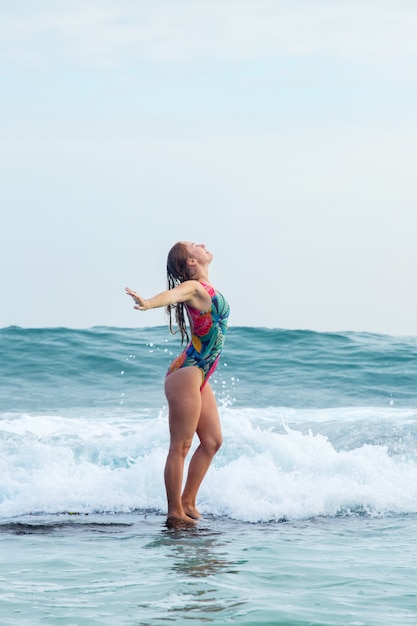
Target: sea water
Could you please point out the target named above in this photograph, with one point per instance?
(310, 506)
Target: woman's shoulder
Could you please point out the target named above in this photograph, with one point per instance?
(208, 288)
(200, 286)
(202, 294)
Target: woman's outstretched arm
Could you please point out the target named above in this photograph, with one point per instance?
(189, 291)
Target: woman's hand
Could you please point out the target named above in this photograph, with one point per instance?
(141, 304)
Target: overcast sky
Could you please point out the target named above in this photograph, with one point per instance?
(283, 135)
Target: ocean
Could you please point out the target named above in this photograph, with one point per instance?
(309, 508)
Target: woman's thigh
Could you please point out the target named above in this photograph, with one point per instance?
(209, 427)
(182, 390)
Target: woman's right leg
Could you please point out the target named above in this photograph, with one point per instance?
(182, 390)
(210, 434)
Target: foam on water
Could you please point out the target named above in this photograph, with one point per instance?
(275, 464)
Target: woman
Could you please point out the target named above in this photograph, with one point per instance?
(191, 402)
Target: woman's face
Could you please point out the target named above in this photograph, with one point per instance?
(198, 251)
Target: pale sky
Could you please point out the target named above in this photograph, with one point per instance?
(283, 135)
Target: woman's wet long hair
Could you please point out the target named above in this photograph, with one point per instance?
(177, 273)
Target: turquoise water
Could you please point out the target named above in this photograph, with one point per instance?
(130, 569)
(310, 507)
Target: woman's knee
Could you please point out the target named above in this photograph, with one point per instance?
(180, 447)
(212, 444)
(218, 443)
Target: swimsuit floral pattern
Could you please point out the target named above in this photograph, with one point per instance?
(208, 333)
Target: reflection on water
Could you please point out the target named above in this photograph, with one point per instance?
(197, 551)
(200, 562)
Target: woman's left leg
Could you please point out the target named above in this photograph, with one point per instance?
(182, 389)
(210, 434)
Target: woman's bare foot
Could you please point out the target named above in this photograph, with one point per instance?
(191, 511)
(180, 522)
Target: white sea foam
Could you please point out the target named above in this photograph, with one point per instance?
(265, 471)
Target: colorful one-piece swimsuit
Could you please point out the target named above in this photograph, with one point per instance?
(208, 333)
